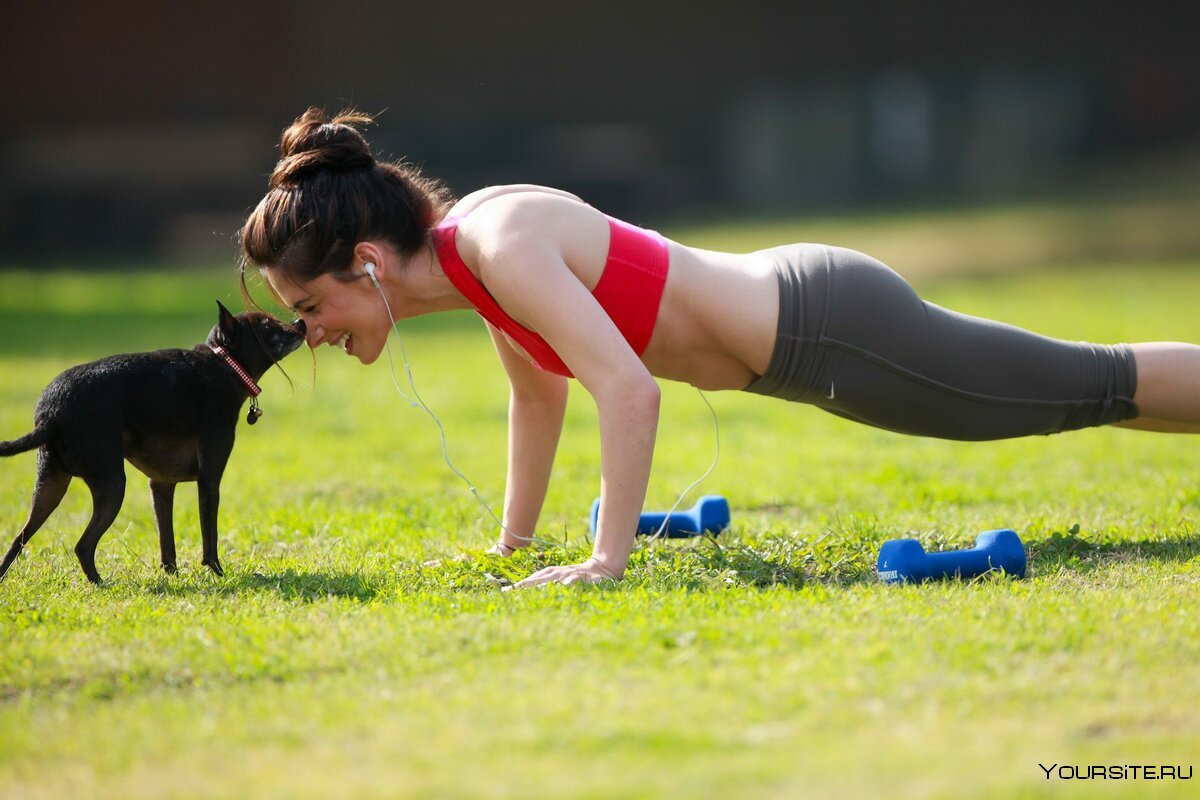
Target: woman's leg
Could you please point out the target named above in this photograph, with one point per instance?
(857, 341)
(1168, 388)
(888, 358)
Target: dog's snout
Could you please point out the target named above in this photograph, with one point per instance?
(300, 326)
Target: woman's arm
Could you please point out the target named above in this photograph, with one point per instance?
(628, 411)
(536, 406)
(519, 245)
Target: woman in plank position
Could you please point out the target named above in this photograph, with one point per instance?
(570, 292)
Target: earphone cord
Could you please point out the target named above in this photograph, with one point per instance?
(698, 481)
(419, 403)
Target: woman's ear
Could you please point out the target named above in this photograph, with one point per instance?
(369, 253)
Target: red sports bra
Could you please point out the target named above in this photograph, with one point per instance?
(629, 290)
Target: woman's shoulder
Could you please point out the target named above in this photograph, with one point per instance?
(513, 191)
(515, 223)
(521, 216)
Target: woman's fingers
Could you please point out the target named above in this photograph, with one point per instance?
(576, 573)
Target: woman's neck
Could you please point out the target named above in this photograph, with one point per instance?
(424, 283)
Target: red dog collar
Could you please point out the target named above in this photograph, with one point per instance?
(251, 386)
(255, 412)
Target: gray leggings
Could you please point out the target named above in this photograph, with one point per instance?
(855, 340)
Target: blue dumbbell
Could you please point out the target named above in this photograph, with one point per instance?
(903, 560)
(709, 515)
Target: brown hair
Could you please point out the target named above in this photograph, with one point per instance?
(328, 193)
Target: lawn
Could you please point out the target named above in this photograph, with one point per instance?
(329, 662)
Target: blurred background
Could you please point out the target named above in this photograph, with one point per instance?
(146, 130)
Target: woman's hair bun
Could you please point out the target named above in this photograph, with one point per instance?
(315, 142)
(328, 193)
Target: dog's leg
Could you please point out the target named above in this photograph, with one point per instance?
(215, 447)
(210, 499)
(108, 492)
(164, 506)
(48, 491)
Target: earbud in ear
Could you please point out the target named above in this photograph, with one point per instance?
(370, 269)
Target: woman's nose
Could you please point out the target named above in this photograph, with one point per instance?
(314, 334)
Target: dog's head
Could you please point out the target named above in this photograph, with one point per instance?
(255, 339)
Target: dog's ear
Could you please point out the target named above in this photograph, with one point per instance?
(226, 322)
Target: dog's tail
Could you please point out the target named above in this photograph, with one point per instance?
(27, 442)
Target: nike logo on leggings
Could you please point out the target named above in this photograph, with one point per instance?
(830, 395)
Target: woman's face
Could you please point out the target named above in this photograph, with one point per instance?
(344, 314)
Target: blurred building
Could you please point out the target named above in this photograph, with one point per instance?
(149, 128)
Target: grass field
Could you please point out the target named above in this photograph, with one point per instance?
(329, 662)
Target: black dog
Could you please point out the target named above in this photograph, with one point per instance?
(171, 413)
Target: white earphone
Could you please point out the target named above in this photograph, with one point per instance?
(370, 268)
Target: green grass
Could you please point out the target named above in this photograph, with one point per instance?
(330, 663)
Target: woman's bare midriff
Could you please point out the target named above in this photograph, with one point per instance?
(717, 320)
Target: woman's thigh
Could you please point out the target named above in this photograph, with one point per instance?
(883, 356)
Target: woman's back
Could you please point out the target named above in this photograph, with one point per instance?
(717, 317)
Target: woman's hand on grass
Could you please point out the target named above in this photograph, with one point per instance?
(590, 571)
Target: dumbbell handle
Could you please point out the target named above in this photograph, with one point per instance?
(651, 521)
(683, 523)
(967, 563)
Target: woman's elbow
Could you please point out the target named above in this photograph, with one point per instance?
(649, 395)
(638, 394)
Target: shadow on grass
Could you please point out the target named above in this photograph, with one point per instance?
(773, 562)
(709, 565)
(1073, 552)
(288, 584)
(846, 560)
